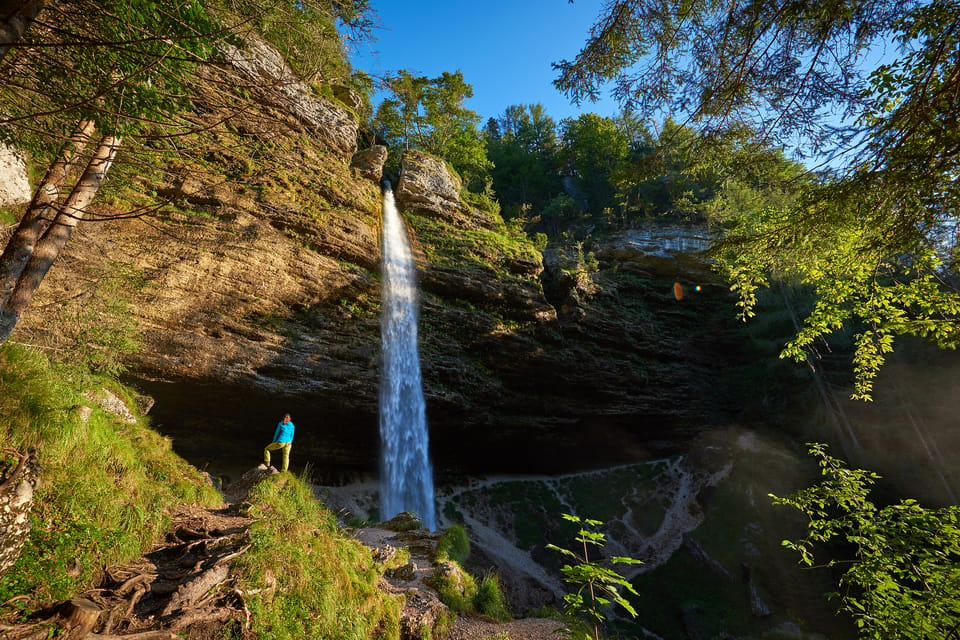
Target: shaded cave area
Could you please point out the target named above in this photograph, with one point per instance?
(222, 430)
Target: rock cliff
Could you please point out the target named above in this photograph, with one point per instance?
(256, 291)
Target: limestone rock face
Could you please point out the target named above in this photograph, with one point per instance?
(427, 186)
(260, 294)
(263, 65)
(369, 162)
(14, 185)
(17, 486)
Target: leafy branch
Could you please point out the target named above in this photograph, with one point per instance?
(599, 585)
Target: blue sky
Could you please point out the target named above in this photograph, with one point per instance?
(503, 47)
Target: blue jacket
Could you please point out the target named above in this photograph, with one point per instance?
(284, 432)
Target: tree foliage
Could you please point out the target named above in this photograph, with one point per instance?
(523, 146)
(598, 585)
(92, 85)
(594, 148)
(305, 32)
(902, 576)
(428, 114)
(877, 238)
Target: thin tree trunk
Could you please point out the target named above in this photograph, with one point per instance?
(38, 215)
(57, 235)
(15, 20)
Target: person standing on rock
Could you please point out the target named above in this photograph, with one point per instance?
(282, 439)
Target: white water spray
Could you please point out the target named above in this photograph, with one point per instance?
(406, 478)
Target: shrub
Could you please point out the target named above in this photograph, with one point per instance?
(453, 545)
(489, 599)
(598, 585)
(459, 591)
(901, 576)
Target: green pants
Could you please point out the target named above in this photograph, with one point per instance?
(273, 446)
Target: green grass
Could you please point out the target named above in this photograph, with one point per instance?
(313, 581)
(106, 486)
(7, 217)
(497, 250)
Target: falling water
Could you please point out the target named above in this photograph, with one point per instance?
(406, 479)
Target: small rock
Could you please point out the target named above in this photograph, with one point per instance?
(406, 572)
(384, 554)
(84, 412)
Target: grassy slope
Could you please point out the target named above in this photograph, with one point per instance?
(108, 488)
(106, 485)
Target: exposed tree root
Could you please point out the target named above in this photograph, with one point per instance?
(181, 589)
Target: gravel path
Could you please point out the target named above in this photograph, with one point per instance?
(470, 628)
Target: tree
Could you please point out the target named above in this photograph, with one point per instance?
(429, 114)
(304, 31)
(902, 575)
(876, 238)
(690, 176)
(593, 149)
(132, 77)
(523, 146)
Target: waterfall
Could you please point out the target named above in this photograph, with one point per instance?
(406, 478)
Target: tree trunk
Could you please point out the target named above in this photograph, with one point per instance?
(57, 235)
(79, 617)
(38, 215)
(15, 20)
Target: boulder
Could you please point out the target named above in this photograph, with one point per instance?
(403, 521)
(348, 96)
(369, 162)
(427, 186)
(112, 404)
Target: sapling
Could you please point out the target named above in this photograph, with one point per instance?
(598, 585)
